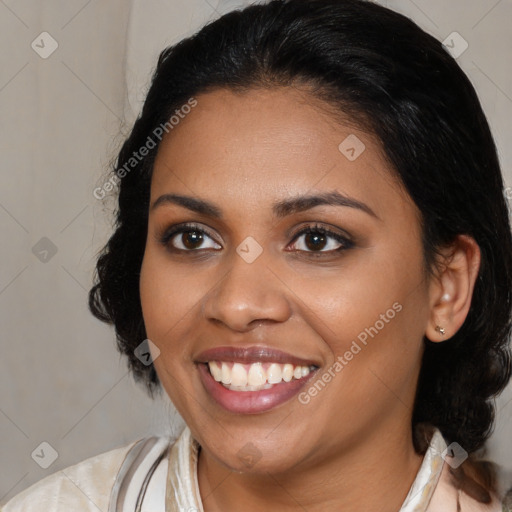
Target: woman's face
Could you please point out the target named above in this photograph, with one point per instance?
(245, 287)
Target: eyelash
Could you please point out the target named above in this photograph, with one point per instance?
(345, 242)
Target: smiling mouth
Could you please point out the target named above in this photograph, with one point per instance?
(257, 376)
(255, 379)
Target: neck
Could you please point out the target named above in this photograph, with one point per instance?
(374, 475)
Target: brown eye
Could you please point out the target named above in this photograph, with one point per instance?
(317, 239)
(191, 239)
(188, 238)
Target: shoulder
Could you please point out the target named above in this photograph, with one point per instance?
(475, 486)
(85, 486)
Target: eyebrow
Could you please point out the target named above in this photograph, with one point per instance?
(279, 209)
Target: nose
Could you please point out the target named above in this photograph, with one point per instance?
(247, 294)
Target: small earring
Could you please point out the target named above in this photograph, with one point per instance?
(440, 329)
(446, 297)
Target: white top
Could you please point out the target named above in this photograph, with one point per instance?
(153, 475)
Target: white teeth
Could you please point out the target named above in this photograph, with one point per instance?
(249, 388)
(216, 371)
(275, 374)
(238, 375)
(257, 376)
(287, 372)
(226, 374)
(254, 377)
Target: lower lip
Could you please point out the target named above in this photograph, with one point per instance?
(251, 402)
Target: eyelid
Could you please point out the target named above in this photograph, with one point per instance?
(343, 238)
(167, 233)
(320, 226)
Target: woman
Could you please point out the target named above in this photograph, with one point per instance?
(313, 259)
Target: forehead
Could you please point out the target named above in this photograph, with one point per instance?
(269, 143)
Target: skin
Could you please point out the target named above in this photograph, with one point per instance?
(350, 448)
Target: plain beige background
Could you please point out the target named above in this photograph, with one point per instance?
(62, 119)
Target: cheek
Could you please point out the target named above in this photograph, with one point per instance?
(162, 308)
(376, 348)
(168, 300)
(168, 295)
(373, 318)
(372, 292)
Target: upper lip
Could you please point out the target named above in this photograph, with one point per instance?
(249, 355)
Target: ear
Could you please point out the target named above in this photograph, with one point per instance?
(451, 290)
